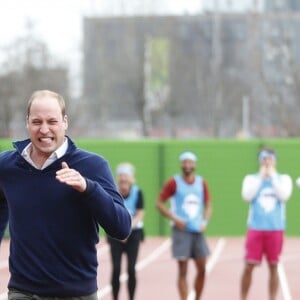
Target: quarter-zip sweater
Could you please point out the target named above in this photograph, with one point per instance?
(54, 229)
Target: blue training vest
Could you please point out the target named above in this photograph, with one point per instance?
(266, 211)
(131, 203)
(188, 202)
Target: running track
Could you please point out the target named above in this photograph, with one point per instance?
(156, 271)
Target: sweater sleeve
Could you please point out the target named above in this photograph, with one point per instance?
(168, 190)
(250, 186)
(105, 202)
(3, 215)
(283, 186)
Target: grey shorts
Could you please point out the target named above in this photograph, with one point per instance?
(188, 245)
(14, 294)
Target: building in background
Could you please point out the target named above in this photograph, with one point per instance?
(188, 76)
(282, 5)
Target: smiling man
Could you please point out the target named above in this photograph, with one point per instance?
(47, 124)
(56, 196)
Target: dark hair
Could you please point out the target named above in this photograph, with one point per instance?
(266, 151)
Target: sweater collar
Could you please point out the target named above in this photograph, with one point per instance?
(21, 145)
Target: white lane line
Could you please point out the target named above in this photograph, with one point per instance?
(215, 255)
(4, 264)
(211, 261)
(154, 255)
(102, 249)
(284, 283)
(139, 266)
(3, 296)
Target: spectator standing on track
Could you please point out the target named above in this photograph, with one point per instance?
(190, 212)
(56, 196)
(134, 201)
(267, 192)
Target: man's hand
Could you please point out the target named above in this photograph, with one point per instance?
(203, 225)
(271, 171)
(71, 177)
(179, 224)
(263, 172)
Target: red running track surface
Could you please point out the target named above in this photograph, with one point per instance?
(157, 271)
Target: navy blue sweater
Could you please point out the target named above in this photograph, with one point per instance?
(53, 227)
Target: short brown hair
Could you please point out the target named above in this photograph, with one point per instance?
(44, 94)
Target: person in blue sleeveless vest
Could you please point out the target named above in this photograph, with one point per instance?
(189, 214)
(134, 202)
(55, 197)
(267, 192)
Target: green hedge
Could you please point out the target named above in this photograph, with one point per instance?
(223, 163)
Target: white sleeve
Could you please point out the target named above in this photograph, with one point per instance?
(283, 186)
(250, 186)
(298, 182)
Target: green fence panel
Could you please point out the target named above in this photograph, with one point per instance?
(145, 157)
(223, 163)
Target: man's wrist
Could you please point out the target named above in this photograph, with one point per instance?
(205, 222)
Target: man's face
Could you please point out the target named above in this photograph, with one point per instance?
(124, 181)
(188, 166)
(268, 161)
(46, 125)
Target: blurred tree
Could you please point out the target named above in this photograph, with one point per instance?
(27, 67)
